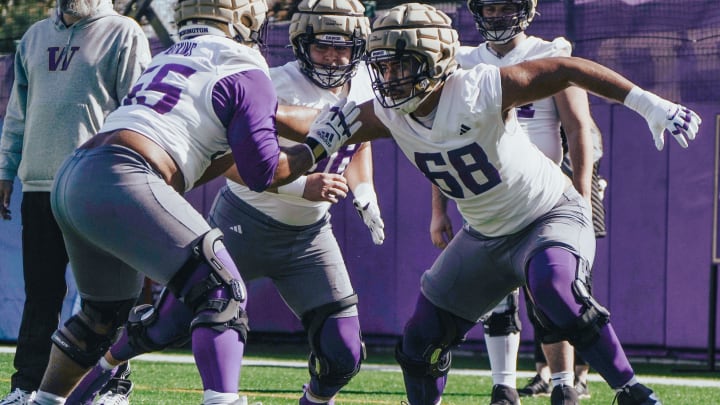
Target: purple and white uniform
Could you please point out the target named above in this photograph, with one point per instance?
(198, 100)
(304, 261)
(540, 119)
(504, 187)
(294, 88)
(525, 225)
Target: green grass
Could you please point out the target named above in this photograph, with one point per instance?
(160, 383)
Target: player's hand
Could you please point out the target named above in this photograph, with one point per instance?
(6, 189)
(332, 128)
(328, 187)
(441, 230)
(366, 204)
(661, 115)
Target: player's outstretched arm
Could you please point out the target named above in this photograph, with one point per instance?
(533, 80)
(293, 122)
(372, 127)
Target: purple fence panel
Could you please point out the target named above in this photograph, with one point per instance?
(689, 230)
(638, 230)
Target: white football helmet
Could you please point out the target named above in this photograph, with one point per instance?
(502, 29)
(241, 20)
(332, 23)
(410, 51)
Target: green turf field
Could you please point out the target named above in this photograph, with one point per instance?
(164, 382)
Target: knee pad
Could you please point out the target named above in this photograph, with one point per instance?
(322, 365)
(437, 357)
(586, 327)
(435, 363)
(143, 317)
(216, 300)
(505, 320)
(87, 335)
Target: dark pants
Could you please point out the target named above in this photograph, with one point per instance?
(44, 263)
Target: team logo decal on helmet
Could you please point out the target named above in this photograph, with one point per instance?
(503, 29)
(410, 51)
(329, 23)
(241, 20)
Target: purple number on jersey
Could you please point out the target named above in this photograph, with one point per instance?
(337, 162)
(466, 161)
(171, 94)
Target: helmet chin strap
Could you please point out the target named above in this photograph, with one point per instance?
(503, 42)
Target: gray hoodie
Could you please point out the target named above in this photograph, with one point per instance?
(67, 80)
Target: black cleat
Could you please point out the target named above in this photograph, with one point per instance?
(504, 395)
(564, 395)
(637, 394)
(537, 387)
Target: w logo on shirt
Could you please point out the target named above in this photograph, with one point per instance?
(60, 57)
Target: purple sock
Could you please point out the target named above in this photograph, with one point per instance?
(607, 357)
(340, 344)
(218, 355)
(551, 273)
(90, 385)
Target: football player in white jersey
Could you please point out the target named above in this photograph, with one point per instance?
(525, 225)
(204, 103)
(502, 23)
(304, 260)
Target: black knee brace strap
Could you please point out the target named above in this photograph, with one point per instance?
(101, 315)
(585, 330)
(436, 358)
(203, 252)
(318, 365)
(219, 314)
(223, 315)
(504, 323)
(140, 319)
(437, 364)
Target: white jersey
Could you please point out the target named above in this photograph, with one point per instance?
(294, 88)
(540, 119)
(178, 88)
(499, 180)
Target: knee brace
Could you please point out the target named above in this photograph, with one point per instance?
(143, 317)
(504, 319)
(320, 364)
(584, 330)
(220, 312)
(437, 357)
(87, 335)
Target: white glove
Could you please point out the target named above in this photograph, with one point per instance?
(332, 128)
(365, 203)
(662, 115)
